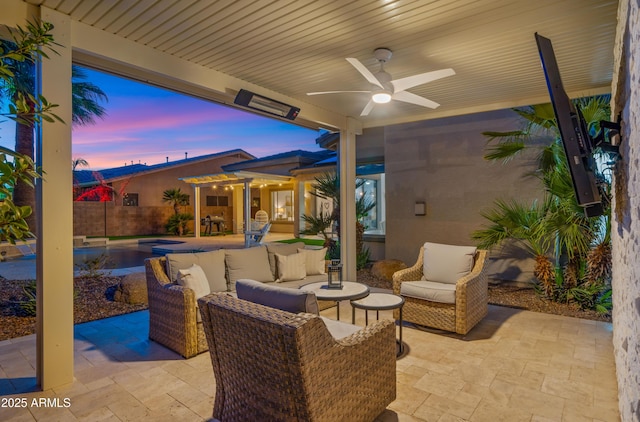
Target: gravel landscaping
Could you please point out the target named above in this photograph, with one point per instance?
(94, 300)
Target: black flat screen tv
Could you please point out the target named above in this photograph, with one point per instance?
(578, 145)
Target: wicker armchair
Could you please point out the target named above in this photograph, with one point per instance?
(173, 313)
(272, 365)
(471, 298)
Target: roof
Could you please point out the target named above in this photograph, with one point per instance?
(289, 160)
(90, 177)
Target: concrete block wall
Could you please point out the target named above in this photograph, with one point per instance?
(440, 162)
(626, 212)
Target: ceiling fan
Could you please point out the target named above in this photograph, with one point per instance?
(385, 89)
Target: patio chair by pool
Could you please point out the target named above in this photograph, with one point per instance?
(254, 238)
(445, 289)
(273, 365)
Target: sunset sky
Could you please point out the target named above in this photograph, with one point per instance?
(145, 124)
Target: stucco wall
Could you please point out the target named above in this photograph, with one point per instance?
(626, 223)
(441, 163)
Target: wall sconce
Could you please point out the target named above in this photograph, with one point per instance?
(420, 208)
(266, 105)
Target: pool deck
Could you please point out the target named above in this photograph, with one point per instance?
(25, 269)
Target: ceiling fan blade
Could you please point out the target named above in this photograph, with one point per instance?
(408, 97)
(334, 92)
(367, 109)
(364, 71)
(422, 78)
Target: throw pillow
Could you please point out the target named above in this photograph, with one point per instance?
(291, 267)
(250, 263)
(194, 278)
(447, 263)
(315, 260)
(212, 263)
(283, 298)
(282, 249)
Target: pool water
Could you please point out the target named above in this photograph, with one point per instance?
(117, 256)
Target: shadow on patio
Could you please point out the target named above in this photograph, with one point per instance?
(515, 365)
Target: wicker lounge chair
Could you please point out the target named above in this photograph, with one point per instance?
(272, 365)
(469, 297)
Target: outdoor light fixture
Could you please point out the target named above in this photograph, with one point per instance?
(266, 105)
(381, 97)
(334, 274)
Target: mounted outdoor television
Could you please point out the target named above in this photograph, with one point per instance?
(578, 145)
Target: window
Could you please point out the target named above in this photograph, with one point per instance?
(282, 205)
(130, 200)
(217, 201)
(372, 190)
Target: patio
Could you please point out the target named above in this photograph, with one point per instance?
(514, 366)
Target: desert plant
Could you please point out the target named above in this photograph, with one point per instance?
(176, 198)
(327, 186)
(95, 267)
(572, 251)
(178, 224)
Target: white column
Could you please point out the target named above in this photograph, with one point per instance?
(347, 174)
(54, 264)
(238, 209)
(247, 210)
(196, 210)
(298, 208)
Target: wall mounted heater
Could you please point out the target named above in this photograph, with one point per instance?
(266, 105)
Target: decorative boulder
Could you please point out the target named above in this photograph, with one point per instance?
(385, 268)
(132, 289)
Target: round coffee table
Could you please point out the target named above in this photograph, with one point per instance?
(379, 302)
(350, 291)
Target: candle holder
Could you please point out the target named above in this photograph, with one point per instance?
(334, 274)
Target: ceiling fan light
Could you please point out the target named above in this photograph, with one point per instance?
(381, 97)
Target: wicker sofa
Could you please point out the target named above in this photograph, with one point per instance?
(273, 365)
(461, 302)
(174, 319)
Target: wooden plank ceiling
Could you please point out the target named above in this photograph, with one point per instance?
(297, 46)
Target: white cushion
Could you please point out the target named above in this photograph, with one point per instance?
(429, 290)
(250, 263)
(286, 299)
(282, 249)
(447, 263)
(314, 259)
(194, 278)
(212, 263)
(291, 267)
(339, 330)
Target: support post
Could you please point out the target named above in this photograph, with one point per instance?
(196, 210)
(347, 174)
(54, 262)
(247, 211)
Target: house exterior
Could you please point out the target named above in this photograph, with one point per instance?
(131, 202)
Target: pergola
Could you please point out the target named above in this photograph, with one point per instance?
(282, 50)
(243, 180)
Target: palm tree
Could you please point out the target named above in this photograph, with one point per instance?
(86, 98)
(176, 197)
(558, 224)
(327, 186)
(178, 221)
(85, 107)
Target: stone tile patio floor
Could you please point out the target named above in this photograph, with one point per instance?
(514, 366)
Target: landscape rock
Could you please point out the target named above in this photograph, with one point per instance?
(132, 289)
(385, 268)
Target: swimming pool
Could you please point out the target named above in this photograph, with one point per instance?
(124, 255)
